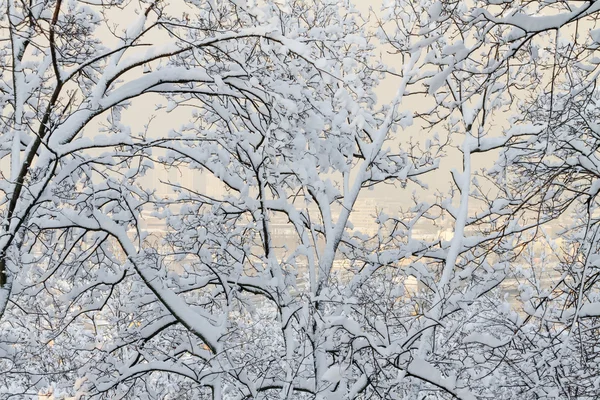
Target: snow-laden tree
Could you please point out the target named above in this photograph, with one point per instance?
(554, 175)
(521, 77)
(282, 115)
(469, 80)
(90, 302)
(265, 288)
